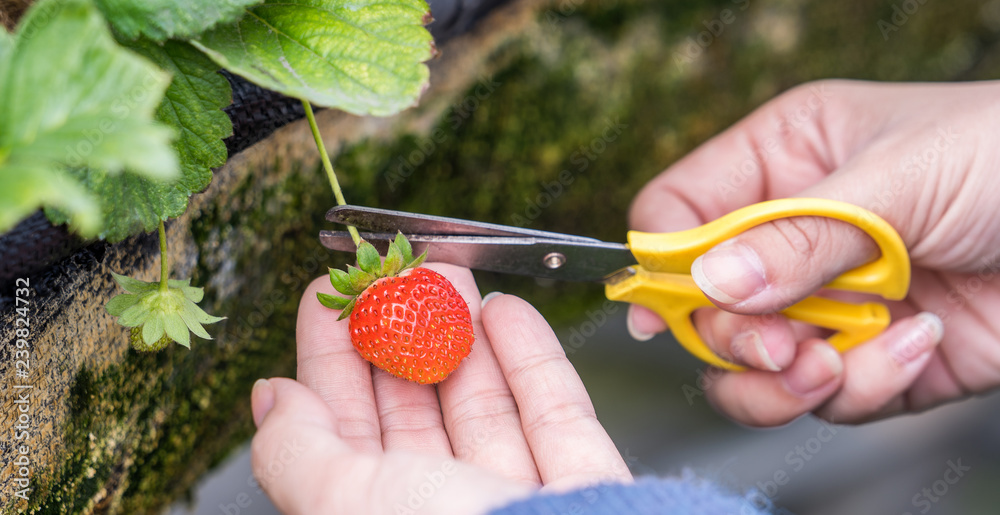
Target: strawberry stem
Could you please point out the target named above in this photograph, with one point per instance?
(330, 174)
(164, 268)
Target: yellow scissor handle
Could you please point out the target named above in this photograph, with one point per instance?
(663, 284)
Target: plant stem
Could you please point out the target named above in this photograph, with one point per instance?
(164, 268)
(330, 174)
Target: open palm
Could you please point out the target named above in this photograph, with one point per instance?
(513, 418)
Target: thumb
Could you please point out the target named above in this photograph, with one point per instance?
(777, 264)
(296, 445)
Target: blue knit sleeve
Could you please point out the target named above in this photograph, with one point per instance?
(687, 495)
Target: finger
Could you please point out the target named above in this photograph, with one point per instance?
(953, 371)
(261, 400)
(298, 459)
(569, 445)
(410, 414)
(772, 266)
(936, 385)
(786, 145)
(765, 342)
(295, 439)
(775, 265)
(479, 409)
(764, 399)
(329, 364)
(643, 323)
(878, 373)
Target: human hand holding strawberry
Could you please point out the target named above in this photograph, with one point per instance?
(354, 439)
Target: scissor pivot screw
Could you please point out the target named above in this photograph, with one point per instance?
(554, 260)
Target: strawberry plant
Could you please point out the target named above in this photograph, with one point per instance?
(110, 111)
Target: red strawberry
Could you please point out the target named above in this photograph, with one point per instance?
(416, 326)
(413, 325)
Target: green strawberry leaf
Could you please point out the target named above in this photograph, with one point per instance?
(69, 95)
(359, 279)
(393, 261)
(117, 305)
(201, 316)
(362, 56)
(177, 330)
(355, 280)
(346, 312)
(133, 285)
(193, 106)
(191, 293)
(368, 258)
(6, 43)
(333, 301)
(152, 329)
(28, 186)
(191, 321)
(162, 19)
(404, 247)
(418, 261)
(134, 315)
(341, 282)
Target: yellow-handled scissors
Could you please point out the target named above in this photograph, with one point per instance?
(653, 269)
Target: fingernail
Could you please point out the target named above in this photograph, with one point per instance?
(261, 400)
(749, 343)
(490, 296)
(636, 333)
(729, 273)
(920, 340)
(814, 370)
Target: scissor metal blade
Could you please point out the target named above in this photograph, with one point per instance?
(538, 257)
(384, 220)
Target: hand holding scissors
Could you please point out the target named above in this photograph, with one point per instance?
(653, 269)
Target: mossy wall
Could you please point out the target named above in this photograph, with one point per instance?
(551, 115)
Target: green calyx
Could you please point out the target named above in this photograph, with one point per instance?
(370, 269)
(170, 313)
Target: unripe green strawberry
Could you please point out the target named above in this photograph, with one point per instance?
(135, 338)
(413, 325)
(156, 315)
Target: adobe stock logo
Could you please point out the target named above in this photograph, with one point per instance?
(797, 458)
(925, 499)
(433, 481)
(900, 15)
(456, 115)
(694, 46)
(581, 160)
(596, 319)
